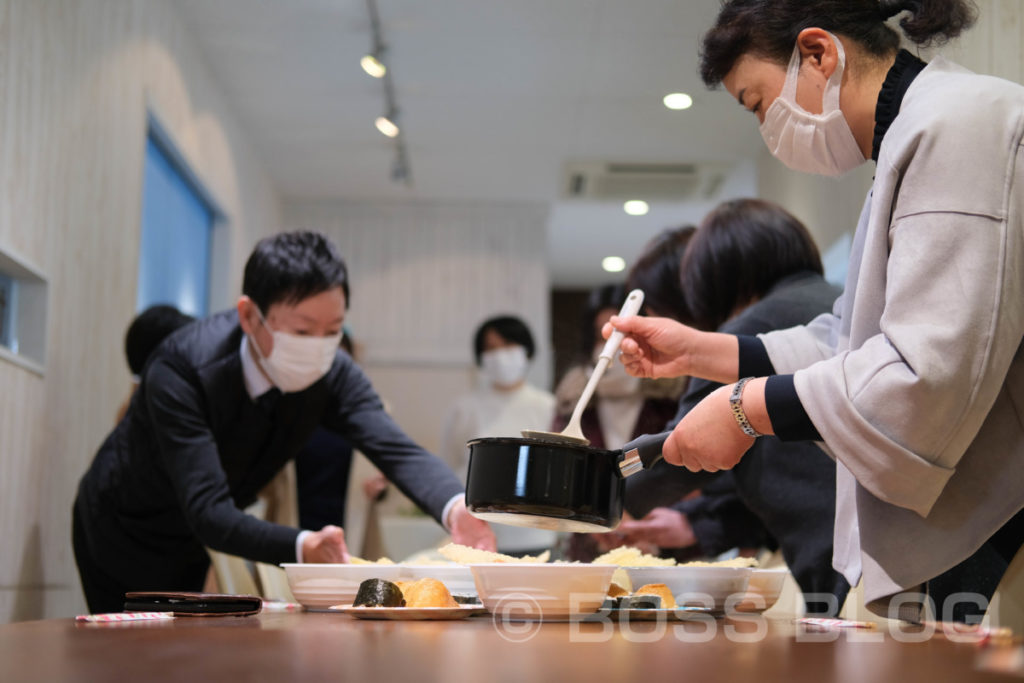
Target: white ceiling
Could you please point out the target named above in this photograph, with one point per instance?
(495, 99)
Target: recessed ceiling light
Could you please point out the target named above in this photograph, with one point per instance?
(636, 207)
(386, 126)
(678, 100)
(613, 264)
(373, 66)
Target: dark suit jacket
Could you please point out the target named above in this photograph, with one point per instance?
(194, 449)
(790, 486)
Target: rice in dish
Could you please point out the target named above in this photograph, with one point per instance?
(352, 559)
(628, 556)
(742, 562)
(465, 555)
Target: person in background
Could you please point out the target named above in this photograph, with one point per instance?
(220, 408)
(623, 407)
(656, 272)
(322, 471)
(751, 267)
(324, 467)
(711, 520)
(144, 334)
(914, 383)
(505, 403)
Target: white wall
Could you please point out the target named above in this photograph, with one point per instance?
(76, 79)
(827, 206)
(424, 275)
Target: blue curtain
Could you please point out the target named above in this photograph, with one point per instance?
(174, 259)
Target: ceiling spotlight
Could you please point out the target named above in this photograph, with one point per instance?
(387, 126)
(636, 207)
(613, 264)
(678, 100)
(373, 66)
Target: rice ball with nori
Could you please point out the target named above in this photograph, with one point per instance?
(378, 593)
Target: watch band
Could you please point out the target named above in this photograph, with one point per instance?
(736, 403)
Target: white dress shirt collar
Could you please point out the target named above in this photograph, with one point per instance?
(256, 383)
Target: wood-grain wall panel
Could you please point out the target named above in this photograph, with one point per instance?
(77, 79)
(424, 275)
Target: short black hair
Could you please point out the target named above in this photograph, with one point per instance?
(508, 327)
(147, 330)
(739, 252)
(769, 28)
(292, 266)
(656, 272)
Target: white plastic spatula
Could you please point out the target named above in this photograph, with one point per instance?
(573, 433)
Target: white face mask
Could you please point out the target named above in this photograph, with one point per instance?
(295, 362)
(505, 367)
(814, 143)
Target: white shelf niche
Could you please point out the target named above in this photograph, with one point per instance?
(23, 302)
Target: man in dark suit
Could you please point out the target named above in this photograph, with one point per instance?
(222, 405)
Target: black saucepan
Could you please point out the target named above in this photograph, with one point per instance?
(565, 487)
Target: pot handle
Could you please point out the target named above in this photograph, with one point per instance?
(642, 453)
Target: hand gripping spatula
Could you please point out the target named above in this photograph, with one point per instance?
(573, 433)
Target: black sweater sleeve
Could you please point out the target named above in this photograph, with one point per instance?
(189, 454)
(359, 416)
(789, 419)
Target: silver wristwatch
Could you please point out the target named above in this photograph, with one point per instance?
(736, 403)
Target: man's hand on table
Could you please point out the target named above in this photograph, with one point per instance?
(326, 546)
(468, 530)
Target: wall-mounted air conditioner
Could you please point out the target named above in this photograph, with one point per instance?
(649, 181)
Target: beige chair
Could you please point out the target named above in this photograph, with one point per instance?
(791, 601)
(1007, 606)
(232, 574)
(273, 583)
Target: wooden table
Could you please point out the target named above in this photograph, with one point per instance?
(318, 646)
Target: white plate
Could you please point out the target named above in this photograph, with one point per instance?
(540, 590)
(707, 587)
(319, 586)
(763, 589)
(655, 614)
(410, 613)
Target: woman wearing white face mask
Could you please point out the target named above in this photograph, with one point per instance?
(914, 384)
(505, 403)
